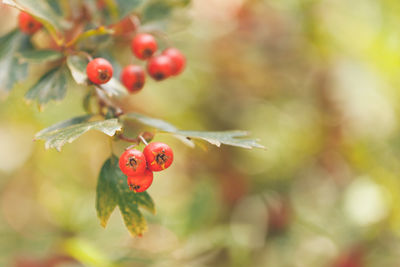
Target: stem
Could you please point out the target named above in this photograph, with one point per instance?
(143, 140)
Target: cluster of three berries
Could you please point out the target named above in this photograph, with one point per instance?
(170, 62)
(139, 166)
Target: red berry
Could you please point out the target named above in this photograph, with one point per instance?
(99, 70)
(140, 183)
(158, 156)
(177, 58)
(133, 77)
(160, 67)
(28, 24)
(132, 162)
(144, 45)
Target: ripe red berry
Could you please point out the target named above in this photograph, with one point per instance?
(144, 45)
(158, 156)
(28, 24)
(177, 58)
(133, 77)
(160, 67)
(99, 70)
(132, 162)
(140, 183)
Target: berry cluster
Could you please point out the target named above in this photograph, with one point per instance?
(139, 166)
(170, 62)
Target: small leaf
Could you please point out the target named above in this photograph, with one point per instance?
(232, 138)
(113, 190)
(57, 137)
(77, 66)
(39, 56)
(11, 71)
(51, 86)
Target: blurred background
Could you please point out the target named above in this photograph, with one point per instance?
(317, 81)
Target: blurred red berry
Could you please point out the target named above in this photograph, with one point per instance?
(178, 60)
(99, 71)
(133, 77)
(144, 45)
(28, 24)
(160, 67)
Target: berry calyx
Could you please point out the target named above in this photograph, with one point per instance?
(140, 183)
(28, 24)
(133, 77)
(177, 58)
(132, 162)
(144, 45)
(160, 67)
(159, 156)
(99, 70)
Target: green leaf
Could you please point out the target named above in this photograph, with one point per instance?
(66, 132)
(11, 71)
(156, 10)
(126, 7)
(232, 138)
(64, 124)
(39, 56)
(77, 66)
(51, 86)
(112, 190)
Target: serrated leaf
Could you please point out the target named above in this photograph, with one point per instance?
(11, 71)
(39, 56)
(51, 86)
(77, 66)
(64, 124)
(113, 190)
(232, 138)
(58, 137)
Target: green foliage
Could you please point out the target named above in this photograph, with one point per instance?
(232, 138)
(66, 132)
(112, 190)
(39, 56)
(52, 86)
(11, 70)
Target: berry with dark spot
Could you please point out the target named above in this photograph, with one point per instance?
(144, 45)
(177, 58)
(140, 183)
(160, 67)
(28, 24)
(99, 70)
(133, 77)
(159, 156)
(132, 162)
